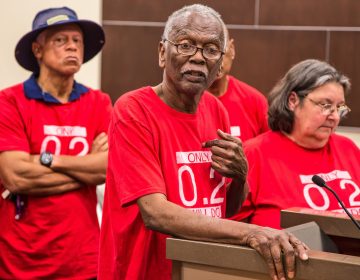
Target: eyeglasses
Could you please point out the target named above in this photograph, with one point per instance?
(327, 108)
(209, 51)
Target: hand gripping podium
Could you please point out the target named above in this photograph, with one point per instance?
(335, 254)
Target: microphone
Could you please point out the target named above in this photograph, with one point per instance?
(321, 183)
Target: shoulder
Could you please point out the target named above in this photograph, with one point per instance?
(340, 140)
(133, 104)
(13, 91)
(137, 96)
(211, 104)
(246, 90)
(263, 141)
(210, 99)
(14, 96)
(98, 95)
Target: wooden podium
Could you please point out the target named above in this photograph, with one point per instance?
(326, 231)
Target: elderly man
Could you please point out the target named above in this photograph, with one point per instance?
(173, 170)
(53, 153)
(246, 106)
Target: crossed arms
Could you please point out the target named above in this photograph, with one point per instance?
(22, 173)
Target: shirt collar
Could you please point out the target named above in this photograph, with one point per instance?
(33, 91)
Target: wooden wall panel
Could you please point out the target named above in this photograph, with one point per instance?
(130, 59)
(310, 12)
(263, 56)
(144, 10)
(271, 36)
(345, 56)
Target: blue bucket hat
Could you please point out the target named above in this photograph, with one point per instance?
(94, 37)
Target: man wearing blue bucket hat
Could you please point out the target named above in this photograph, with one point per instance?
(53, 153)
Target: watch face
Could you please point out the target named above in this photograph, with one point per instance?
(46, 158)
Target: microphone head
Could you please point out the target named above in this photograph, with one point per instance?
(318, 181)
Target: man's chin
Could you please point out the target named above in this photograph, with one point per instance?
(194, 88)
(68, 71)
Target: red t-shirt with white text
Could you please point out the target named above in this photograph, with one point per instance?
(155, 149)
(280, 173)
(57, 236)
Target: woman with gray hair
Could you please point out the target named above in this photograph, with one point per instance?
(305, 107)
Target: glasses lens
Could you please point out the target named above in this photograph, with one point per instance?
(343, 111)
(211, 52)
(186, 49)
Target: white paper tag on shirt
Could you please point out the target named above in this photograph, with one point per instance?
(5, 194)
(235, 131)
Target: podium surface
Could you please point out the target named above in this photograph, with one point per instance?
(337, 226)
(212, 261)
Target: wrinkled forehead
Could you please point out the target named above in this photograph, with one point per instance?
(208, 27)
(53, 30)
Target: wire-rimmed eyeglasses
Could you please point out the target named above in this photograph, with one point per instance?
(328, 108)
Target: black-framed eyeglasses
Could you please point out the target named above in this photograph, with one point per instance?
(328, 108)
(209, 51)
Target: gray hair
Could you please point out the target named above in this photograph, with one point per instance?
(302, 78)
(186, 11)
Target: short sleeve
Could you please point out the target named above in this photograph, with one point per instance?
(133, 159)
(12, 127)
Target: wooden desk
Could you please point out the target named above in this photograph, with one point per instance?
(194, 260)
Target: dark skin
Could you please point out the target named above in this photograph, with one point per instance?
(184, 81)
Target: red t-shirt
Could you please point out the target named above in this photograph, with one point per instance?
(155, 149)
(247, 109)
(57, 236)
(280, 175)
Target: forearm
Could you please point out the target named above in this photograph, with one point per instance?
(235, 196)
(89, 169)
(277, 247)
(172, 219)
(31, 178)
(53, 190)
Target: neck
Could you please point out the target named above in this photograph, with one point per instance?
(219, 86)
(182, 102)
(59, 87)
(307, 143)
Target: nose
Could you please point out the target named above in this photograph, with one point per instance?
(198, 55)
(334, 113)
(71, 44)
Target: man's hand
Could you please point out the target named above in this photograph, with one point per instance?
(279, 249)
(100, 143)
(228, 157)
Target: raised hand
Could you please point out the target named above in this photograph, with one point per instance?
(228, 157)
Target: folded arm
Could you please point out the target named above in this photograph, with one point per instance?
(89, 169)
(20, 175)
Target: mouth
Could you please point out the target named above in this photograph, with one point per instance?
(71, 59)
(326, 127)
(194, 75)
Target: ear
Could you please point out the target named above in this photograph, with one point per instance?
(36, 49)
(231, 49)
(161, 50)
(293, 101)
(219, 73)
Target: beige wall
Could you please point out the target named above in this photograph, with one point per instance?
(351, 132)
(16, 19)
